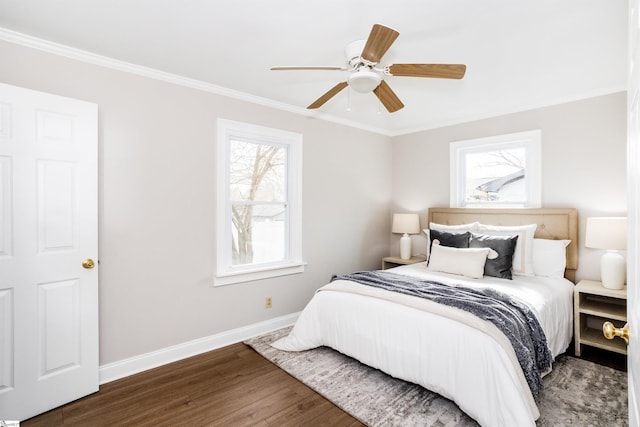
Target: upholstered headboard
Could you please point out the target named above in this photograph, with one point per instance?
(553, 223)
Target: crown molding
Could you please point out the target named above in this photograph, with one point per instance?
(128, 67)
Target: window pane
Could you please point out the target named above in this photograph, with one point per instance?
(258, 233)
(257, 172)
(259, 202)
(496, 176)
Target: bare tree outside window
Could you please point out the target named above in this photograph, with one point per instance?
(258, 203)
(257, 185)
(501, 171)
(496, 176)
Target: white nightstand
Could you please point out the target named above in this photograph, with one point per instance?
(395, 261)
(594, 305)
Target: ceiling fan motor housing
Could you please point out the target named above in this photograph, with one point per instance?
(352, 52)
(364, 79)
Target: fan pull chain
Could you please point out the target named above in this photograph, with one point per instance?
(348, 98)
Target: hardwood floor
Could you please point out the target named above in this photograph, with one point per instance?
(231, 386)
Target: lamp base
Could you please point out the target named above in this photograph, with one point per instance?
(613, 270)
(405, 246)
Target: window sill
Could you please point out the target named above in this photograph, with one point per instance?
(257, 274)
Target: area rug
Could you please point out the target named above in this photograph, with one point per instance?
(576, 392)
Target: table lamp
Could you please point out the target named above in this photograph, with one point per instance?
(405, 224)
(609, 233)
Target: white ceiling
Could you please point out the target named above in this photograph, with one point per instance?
(519, 54)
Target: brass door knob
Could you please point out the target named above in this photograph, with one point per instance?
(610, 331)
(88, 263)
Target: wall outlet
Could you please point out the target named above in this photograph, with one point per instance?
(268, 302)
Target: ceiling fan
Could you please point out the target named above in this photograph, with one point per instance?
(363, 57)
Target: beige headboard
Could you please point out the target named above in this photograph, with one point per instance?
(553, 223)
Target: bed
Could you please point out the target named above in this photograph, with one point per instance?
(445, 349)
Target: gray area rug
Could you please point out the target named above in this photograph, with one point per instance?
(576, 392)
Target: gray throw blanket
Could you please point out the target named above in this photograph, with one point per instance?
(514, 318)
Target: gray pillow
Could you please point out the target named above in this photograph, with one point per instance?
(453, 240)
(505, 246)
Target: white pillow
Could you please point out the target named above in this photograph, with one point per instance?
(473, 227)
(462, 261)
(522, 256)
(549, 257)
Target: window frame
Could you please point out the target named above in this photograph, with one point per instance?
(226, 273)
(531, 141)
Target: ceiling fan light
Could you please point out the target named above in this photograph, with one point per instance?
(364, 81)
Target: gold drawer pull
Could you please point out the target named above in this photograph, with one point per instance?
(610, 331)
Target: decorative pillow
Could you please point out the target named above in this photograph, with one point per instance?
(467, 262)
(549, 257)
(453, 240)
(473, 227)
(522, 256)
(505, 246)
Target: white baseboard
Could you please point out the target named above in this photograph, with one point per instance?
(133, 365)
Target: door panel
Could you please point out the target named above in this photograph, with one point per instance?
(56, 206)
(48, 226)
(6, 340)
(6, 246)
(59, 332)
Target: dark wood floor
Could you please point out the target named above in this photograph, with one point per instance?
(232, 386)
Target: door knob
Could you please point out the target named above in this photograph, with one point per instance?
(88, 263)
(611, 331)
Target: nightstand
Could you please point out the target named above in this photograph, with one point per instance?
(395, 261)
(594, 305)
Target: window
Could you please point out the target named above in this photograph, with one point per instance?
(259, 203)
(500, 171)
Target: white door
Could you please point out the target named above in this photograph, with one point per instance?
(48, 226)
(633, 191)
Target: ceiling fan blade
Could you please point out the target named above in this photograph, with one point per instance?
(327, 96)
(307, 67)
(380, 40)
(388, 98)
(441, 71)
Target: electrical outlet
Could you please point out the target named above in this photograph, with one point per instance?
(268, 302)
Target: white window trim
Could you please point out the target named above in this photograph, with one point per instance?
(531, 140)
(227, 274)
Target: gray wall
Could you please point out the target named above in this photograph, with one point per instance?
(583, 163)
(157, 203)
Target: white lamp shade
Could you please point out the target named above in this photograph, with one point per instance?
(406, 223)
(609, 233)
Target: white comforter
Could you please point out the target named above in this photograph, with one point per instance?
(458, 361)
